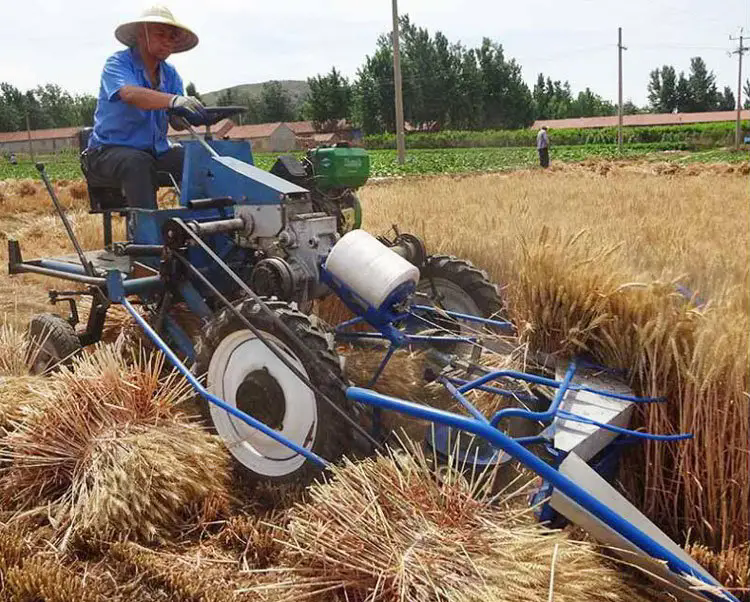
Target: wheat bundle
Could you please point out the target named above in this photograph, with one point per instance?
(44, 578)
(111, 453)
(20, 395)
(14, 350)
(194, 573)
(390, 528)
(18, 390)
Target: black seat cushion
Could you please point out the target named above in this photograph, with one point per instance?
(103, 199)
(104, 194)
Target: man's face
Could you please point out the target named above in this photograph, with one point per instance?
(159, 40)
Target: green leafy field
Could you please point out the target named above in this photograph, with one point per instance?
(64, 166)
(678, 137)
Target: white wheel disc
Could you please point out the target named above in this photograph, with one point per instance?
(237, 356)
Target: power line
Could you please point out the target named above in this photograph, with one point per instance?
(739, 52)
(620, 48)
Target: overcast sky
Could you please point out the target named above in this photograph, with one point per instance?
(245, 41)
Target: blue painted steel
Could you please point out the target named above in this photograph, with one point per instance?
(349, 323)
(547, 472)
(690, 296)
(622, 431)
(197, 165)
(61, 266)
(179, 337)
(137, 286)
(496, 390)
(194, 300)
(381, 320)
(549, 382)
(470, 407)
(442, 439)
(531, 440)
(112, 278)
(549, 414)
(381, 367)
(467, 317)
(115, 288)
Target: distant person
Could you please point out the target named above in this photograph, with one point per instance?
(129, 142)
(12, 159)
(542, 146)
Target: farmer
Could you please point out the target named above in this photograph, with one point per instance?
(129, 142)
(542, 146)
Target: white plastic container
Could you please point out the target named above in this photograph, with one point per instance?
(369, 268)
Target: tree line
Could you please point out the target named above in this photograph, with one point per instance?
(47, 106)
(449, 86)
(669, 92)
(446, 85)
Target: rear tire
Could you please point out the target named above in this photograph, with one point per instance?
(53, 343)
(242, 371)
(456, 285)
(465, 275)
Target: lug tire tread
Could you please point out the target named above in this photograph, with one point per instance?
(333, 436)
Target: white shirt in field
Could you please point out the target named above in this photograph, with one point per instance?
(541, 139)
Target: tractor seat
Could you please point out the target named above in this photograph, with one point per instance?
(104, 195)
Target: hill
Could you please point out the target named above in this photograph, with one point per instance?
(297, 90)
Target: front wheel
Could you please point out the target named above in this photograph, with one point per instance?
(53, 343)
(242, 370)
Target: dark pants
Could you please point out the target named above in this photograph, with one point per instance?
(136, 171)
(544, 156)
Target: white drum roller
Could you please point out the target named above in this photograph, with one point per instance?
(373, 271)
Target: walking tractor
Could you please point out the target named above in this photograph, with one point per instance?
(248, 252)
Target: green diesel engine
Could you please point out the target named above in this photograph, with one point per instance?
(332, 174)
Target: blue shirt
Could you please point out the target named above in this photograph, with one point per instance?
(121, 124)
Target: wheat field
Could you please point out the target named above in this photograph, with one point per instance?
(587, 257)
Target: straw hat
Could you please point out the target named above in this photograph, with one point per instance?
(127, 32)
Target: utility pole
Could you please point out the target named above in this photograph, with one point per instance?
(400, 142)
(620, 48)
(739, 52)
(28, 132)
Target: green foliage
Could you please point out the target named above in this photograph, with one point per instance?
(329, 99)
(726, 100)
(662, 89)
(444, 85)
(190, 90)
(65, 165)
(384, 163)
(275, 103)
(700, 135)
(47, 106)
(227, 98)
(696, 93)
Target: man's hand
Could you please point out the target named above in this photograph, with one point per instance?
(190, 108)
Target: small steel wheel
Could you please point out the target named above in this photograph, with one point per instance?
(242, 370)
(53, 342)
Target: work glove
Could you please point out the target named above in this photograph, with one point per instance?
(188, 107)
